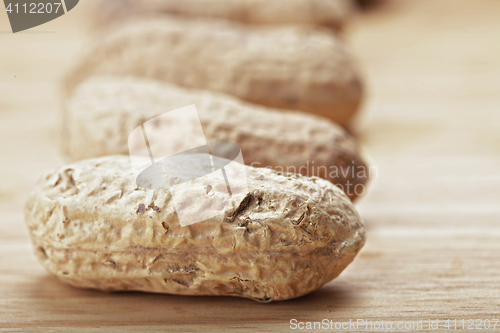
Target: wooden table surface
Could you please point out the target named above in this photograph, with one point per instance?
(430, 124)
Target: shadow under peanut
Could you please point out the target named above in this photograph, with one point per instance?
(55, 303)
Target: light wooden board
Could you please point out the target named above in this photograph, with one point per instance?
(430, 123)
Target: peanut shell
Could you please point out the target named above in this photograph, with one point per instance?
(92, 227)
(103, 111)
(329, 13)
(286, 67)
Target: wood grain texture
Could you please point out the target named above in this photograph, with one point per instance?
(430, 125)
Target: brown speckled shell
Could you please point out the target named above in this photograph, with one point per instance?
(285, 238)
(103, 111)
(286, 67)
(329, 13)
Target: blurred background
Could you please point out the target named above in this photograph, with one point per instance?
(429, 123)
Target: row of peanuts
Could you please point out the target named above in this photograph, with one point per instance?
(272, 77)
(279, 55)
